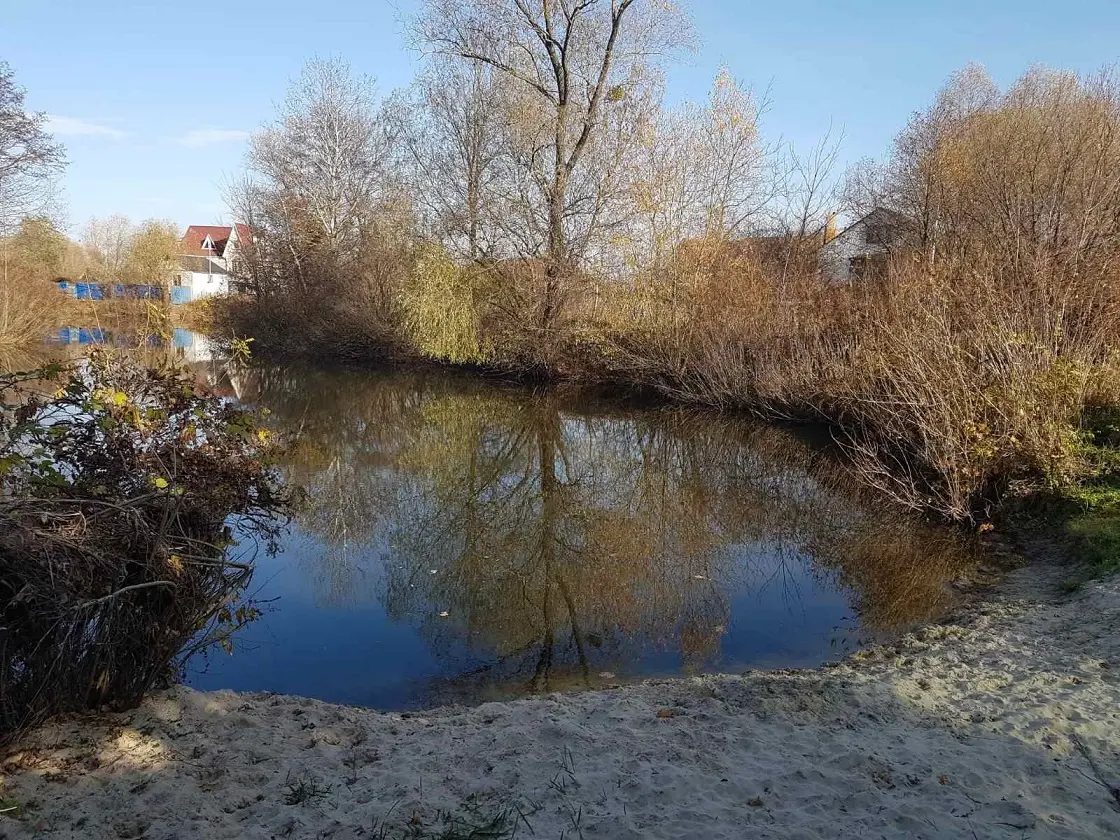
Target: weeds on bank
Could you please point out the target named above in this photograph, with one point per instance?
(1087, 515)
(486, 817)
(304, 790)
(1095, 526)
(116, 482)
(1096, 530)
(477, 818)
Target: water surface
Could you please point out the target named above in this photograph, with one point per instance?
(465, 541)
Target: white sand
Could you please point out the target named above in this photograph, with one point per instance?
(964, 730)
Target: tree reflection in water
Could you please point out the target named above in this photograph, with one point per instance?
(562, 541)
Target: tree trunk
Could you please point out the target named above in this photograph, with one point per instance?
(557, 252)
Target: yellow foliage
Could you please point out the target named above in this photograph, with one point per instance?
(440, 309)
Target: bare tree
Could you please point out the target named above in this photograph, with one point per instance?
(107, 242)
(565, 61)
(808, 191)
(29, 157)
(456, 138)
(702, 173)
(326, 159)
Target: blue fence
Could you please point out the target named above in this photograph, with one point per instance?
(180, 294)
(137, 290)
(101, 291)
(82, 335)
(89, 291)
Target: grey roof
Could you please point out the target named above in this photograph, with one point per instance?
(894, 216)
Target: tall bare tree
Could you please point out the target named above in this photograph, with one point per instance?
(565, 61)
(807, 190)
(456, 138)
(326, 159)
(29, 157)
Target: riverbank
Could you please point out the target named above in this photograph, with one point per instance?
(1004, 722)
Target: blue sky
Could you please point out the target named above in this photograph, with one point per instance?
(154, 99)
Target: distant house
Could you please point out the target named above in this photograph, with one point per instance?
(862, 249)
(208, 255)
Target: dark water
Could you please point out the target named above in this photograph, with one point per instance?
(465, 542)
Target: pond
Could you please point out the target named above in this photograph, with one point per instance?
(464, 541)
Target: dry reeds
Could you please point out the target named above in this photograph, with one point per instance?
(29, 309)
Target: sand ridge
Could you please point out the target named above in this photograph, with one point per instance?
(1002, 723)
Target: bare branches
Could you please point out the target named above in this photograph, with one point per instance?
(701, 173)
(29, 157)
(1028, 177)
(570, 70)
(26, 149)
(457, 154)
(328, 154)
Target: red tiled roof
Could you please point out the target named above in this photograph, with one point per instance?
(196, 235)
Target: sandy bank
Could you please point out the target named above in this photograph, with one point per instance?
(1004, 723)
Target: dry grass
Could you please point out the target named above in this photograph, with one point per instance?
(29, 311)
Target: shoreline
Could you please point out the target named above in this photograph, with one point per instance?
(1004, 722)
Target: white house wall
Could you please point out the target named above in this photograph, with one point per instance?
(199, 349)
(836, 257)
(208, 285)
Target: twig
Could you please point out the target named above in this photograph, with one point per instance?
(132, 588)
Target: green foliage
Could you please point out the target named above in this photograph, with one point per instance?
(1096, 496)
(1090, 516)
(1098, 538)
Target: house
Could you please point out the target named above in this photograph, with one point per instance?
(862, 249)
(208, 254)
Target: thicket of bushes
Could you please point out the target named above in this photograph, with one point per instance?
(30, 303)
(116, 484)
(967, 370)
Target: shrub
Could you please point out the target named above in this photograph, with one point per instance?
(116, 493)
(441, 309)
